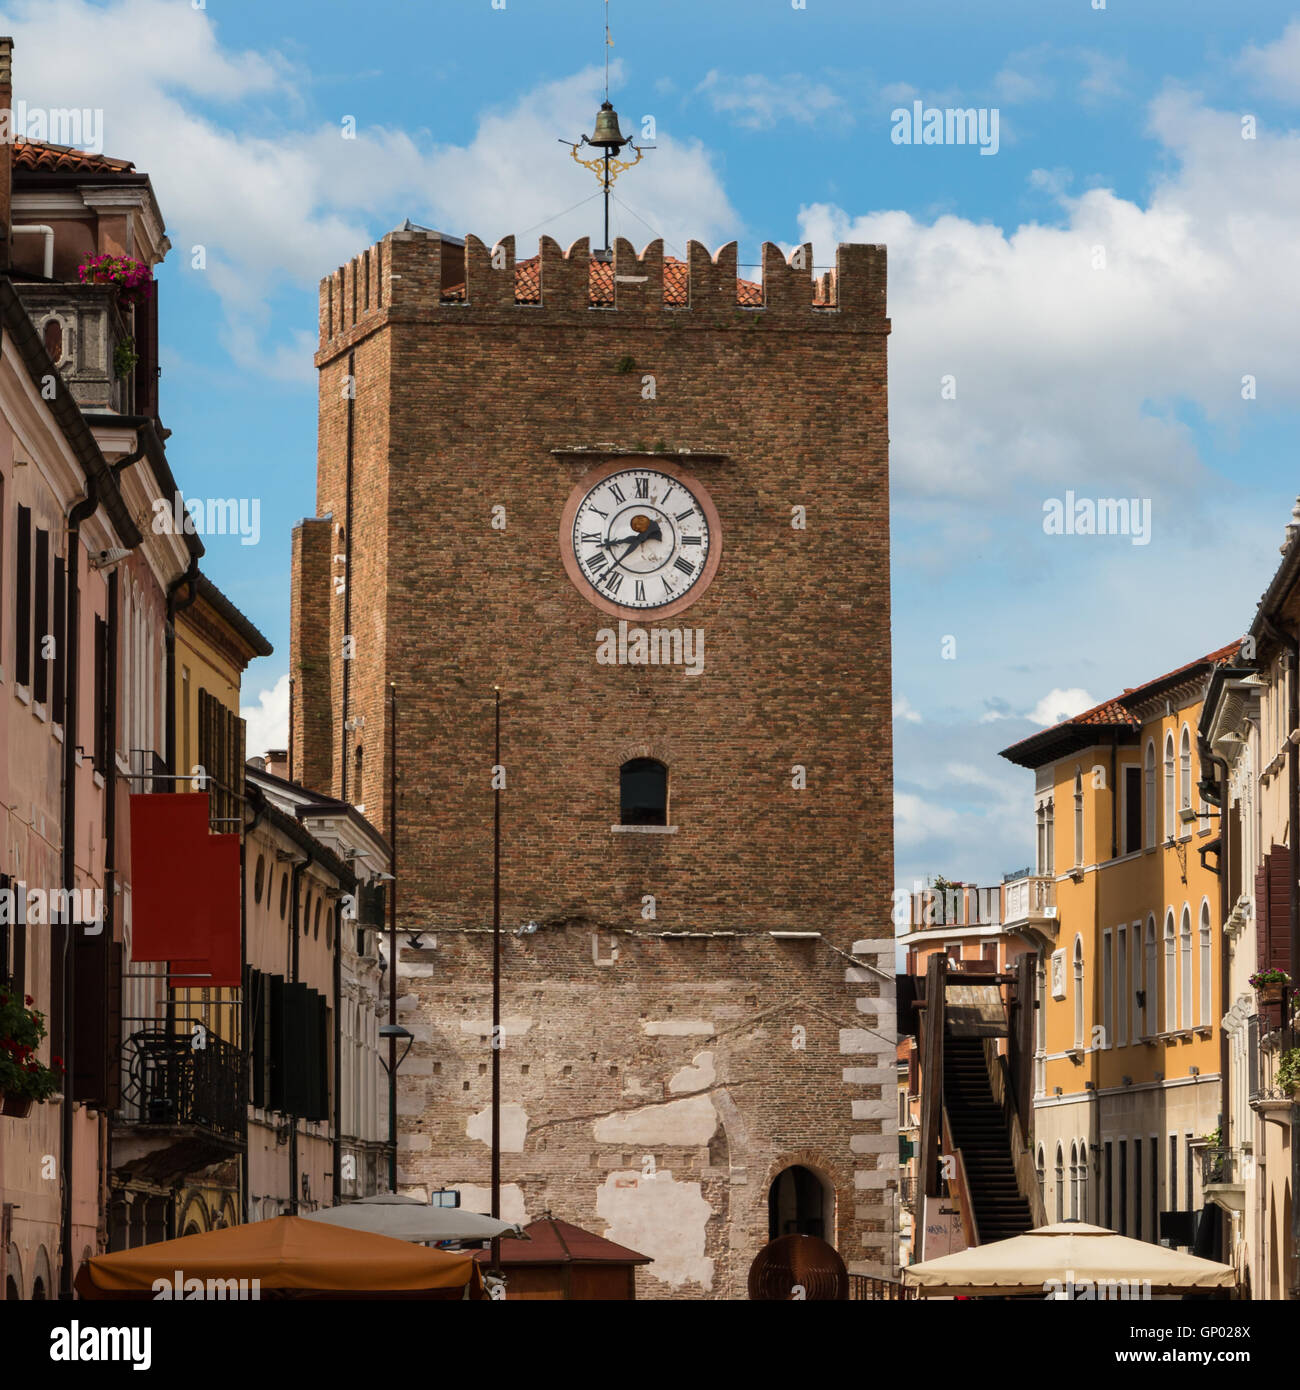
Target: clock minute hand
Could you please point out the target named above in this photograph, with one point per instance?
(652, 532)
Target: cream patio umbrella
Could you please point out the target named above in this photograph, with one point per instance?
(408, 1218)
(1069, 1258)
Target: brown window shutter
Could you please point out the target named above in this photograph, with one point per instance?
(1279, 909)
(1261, 913)
(113, 1077)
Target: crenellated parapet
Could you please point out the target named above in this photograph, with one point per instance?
(417, 274)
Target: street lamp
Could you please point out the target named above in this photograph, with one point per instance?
(394, 1032)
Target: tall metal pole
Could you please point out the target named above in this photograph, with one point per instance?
(392, 936)
(496, 974)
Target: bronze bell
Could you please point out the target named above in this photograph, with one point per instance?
(607, 132)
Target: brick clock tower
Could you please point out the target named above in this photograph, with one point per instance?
(647, 501)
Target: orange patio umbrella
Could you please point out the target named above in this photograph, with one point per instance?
(290, 1258)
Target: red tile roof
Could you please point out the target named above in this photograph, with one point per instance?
(39, 157)
(560, 1242)
(1119, 709)
(528, 285)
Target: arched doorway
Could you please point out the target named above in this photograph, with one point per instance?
(800, 1202)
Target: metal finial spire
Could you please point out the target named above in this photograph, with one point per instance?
(608, 138)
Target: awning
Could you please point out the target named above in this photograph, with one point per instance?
(289, 1257)
(408, 1218)
(1070, 1253)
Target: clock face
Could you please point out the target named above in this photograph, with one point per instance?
(640, 540)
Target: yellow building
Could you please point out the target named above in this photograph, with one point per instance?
(1124, 910)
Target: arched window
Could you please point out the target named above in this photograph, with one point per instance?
(284, 894)
(1170, 789)
(1203, 1015)
(643, 792)
(1149, 792)
(1185, 771)
(1042, 1173)
(315, 926)
(1078, 816)
(1078, 991)
(358, 777)
(1083, 1180)
(259, 878)
(1151, 993)
(1074, 1182)
(1171, 975)
(1185, 966)
(1060, 1183)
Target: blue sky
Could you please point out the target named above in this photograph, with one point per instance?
(1120, 129)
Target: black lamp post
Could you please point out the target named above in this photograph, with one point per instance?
(393, 1032)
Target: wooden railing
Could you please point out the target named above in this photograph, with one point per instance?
(1022, 1156)
(866, 1288)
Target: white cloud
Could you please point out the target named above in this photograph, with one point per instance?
(917, 821)
(758, 102)
(277, 205)
(1072, 376)
(1275, 67)
(903, 710)
(1057, 705)
(268, 720)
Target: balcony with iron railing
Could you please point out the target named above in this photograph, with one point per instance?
(1223, 1175)
(170, 1085)
(1030, 905)
(1274, 1068)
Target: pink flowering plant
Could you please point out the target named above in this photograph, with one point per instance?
(1269, 977)
(134, 279)
(22, 1029)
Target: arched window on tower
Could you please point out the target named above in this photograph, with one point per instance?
(643, 792)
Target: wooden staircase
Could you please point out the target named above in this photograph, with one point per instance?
(978, 1125)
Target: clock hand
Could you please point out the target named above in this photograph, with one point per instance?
(652, 532)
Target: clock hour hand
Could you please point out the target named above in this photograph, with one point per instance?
(652, 532)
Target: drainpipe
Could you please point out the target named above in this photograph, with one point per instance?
(245, 1031)
(48, 233)
(110, 860)
(295, 892)
(80, 512)
(1216, 792)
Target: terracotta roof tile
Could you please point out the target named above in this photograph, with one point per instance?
(39, 157)
(1121, 709)
(528, 285)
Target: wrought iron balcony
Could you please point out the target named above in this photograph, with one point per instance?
(1274, 1066)
(1220, 1167)
(170, 1083)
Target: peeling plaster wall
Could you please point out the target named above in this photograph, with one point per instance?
(615, 1117)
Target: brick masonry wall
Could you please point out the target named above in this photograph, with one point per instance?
(463, 405)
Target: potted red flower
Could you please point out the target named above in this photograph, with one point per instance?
(133, 279)
(1269, 984)
(24, 1079)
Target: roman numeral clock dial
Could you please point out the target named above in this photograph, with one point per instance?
(638, 541)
